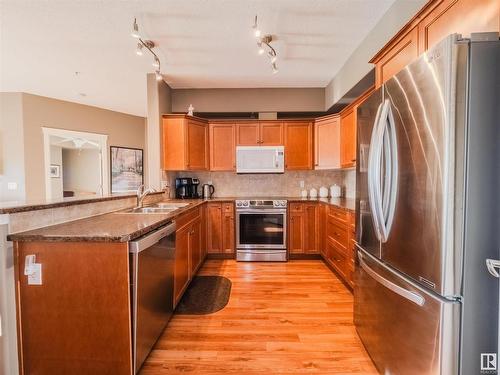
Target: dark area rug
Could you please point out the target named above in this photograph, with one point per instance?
(205, 295)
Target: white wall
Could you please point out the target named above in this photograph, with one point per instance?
(56, 182)
(357, 66)
(11, 146)
(82, 173)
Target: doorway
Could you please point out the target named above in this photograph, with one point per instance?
(76, 164)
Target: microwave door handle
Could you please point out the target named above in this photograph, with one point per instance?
(409, 295)
(276, 159)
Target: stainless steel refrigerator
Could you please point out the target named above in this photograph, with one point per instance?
(428, 209)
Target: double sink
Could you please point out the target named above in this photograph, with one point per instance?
(157, 208)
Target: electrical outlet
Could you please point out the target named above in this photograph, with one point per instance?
(302, 184)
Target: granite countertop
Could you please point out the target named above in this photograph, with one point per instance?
(121, 226)
(23, 206)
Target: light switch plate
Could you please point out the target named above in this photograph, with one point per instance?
(11, 185)
(35, 278)
(301, 183)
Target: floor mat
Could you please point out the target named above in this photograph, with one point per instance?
(205, 295)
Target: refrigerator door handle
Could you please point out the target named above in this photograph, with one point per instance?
(492, 265)
(411, 296)
(390, 169)
(374, 173)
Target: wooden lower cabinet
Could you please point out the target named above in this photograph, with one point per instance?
(220, 228)
(303, 223)
(181, 268)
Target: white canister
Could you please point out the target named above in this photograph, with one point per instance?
(303, 193)
(323, 192)
(335, 191)
(313, 193)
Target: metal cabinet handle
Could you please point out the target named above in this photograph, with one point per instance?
(411, 296)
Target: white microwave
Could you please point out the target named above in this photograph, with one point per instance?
(260, 159)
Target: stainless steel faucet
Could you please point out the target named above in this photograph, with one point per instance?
(141, 194)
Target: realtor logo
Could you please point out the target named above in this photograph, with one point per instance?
(488, 362)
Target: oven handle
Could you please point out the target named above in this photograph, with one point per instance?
(261, 210)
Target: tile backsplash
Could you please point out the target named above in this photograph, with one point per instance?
(229, 184)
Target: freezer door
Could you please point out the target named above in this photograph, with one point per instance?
(367, 115)
(405, 330)
(422, 100)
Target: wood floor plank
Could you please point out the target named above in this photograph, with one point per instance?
(282, 318)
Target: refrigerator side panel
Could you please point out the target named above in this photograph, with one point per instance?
(365, 230)
(482, 208)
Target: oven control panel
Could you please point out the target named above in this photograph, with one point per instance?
(250, 203)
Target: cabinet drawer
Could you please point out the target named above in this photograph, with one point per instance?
(188, 217)
(337, 233)
(296, 207)
(339, 215)
(337, 259)
(228, 207)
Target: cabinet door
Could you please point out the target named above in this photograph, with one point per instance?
(214, 228)
(204, 225)
(311, 228)
(348, 138)
(181, 269)
(296, 230)
(222, 147)
(195, 246)
(298, 145)
(228, 246)
(337, 259)
(327, 144)
(197, 145)
(247, 134)
(173, 145)
(400, 55)
(271, 133)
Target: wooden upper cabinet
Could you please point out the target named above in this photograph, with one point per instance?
(457, 16)
(327, 143)
(400, 55)
(348, 137)
(258, 133)
(247, 133)
(298, 145)
(271, 133)
(222, 146)
(185, 143)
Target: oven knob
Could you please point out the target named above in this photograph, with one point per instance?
(245, 203)
(238, 204)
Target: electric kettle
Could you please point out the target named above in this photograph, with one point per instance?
(207, 191)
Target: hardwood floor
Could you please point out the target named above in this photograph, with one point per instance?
(282, 318)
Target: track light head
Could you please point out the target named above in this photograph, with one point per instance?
(275, 68)
(135, 30)
(138, 51)
(261, 51)
(158, 76)
(156, 63)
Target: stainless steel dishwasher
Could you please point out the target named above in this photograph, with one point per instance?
(152, 286)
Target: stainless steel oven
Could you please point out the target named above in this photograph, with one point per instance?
(261, 230)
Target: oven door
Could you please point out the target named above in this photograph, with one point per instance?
(261, 229)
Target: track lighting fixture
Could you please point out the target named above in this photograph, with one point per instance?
(264, 42)
(135, 30)
(149, 45)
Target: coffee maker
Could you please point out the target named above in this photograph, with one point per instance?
(186, 188)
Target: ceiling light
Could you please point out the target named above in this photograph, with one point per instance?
(138, 51)
(257, 33)
(156, 62)
(261, 51)
(275, 68)
(158, 75)
(135, 30)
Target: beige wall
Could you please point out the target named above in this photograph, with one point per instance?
(82, 173)
(122, 130)
(249, 100)
(11, 146)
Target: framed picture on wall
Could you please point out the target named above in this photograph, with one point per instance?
(127, 169)
(55, 171)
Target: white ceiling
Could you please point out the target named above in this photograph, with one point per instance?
(202, 44)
